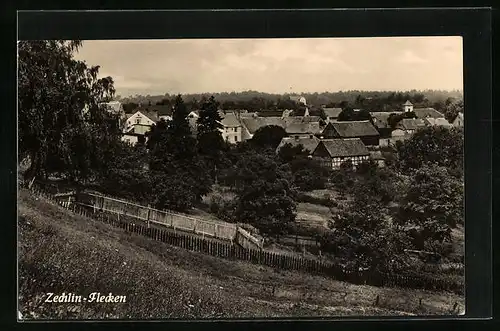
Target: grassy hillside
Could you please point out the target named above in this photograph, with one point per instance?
(61, 252)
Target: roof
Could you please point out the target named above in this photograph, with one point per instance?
(152, 115)
(407, 103)
(351, 129)
(308, 143)
(411, 123)
(345, 147)
(113, 106)
(438, 122)
(163, 110)
(311, 127)
(254, 123)
(427, 112)
(380, 118)
(270, 113)
(332, 112)
(301, 119)
(230, 121)
(295, 97)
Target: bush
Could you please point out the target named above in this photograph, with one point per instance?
(324, 201)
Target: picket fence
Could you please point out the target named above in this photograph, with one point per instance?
(258, 256)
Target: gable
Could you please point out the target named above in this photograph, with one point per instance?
(321, 150)
(329, 131)
(144, 119)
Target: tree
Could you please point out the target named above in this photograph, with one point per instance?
(433, 204)
(268, 136)
(452, 109)
(264, 194)
(62, 128)
(127, 173)
(210, 143)
(438, 145)
(178, 174)
(364, 238)
(210, 140)
(307, 174)
(349, 114)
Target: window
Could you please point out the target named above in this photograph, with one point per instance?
(235, 138)
(138, 120)
(235, 129)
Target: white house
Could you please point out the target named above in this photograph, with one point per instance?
(299, 99)
(232, 128)
(459, 120)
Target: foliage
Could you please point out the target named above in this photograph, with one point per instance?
(265, 197)
(432, 205)
(394, 118)
(177, 172)
(268, 136)
(362, 236)
(61, 126)
(438, 145)
(127, 173)
(307, 174)
(453, 107)
(349, 114)
(371, 100)
(208, 126)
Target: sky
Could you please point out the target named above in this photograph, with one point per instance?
(157, 67)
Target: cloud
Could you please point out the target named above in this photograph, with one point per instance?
(276, 65)
(410, 57)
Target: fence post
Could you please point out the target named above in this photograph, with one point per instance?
(149, 211)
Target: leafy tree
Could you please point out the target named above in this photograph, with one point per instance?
(394, 118)
(349, 114)
(211, 146)
(438, 145)
(268, 136)
(178, 174)
(127, 173)
(363, 237)
(62, 128)
(452, 110)
(433, 204)
(265, 197)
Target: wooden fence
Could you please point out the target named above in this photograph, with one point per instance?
(299, 241)
(262, 257)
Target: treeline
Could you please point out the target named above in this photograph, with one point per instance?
(255, 101)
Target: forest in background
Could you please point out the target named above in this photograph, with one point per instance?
(256, 101)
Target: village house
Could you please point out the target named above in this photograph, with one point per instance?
(333, 152)
(380, 121)
(308, 143)
(408, 126)
(232, 128)
(459, 120)
(363, 130)
(250, 125)
(299, 99)
(422, 113)
(438, 122)
(332, 114)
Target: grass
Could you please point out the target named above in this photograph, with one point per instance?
(62, 252)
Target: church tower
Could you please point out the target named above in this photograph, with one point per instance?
(408, 106)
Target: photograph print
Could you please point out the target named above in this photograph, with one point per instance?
(240, 178)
